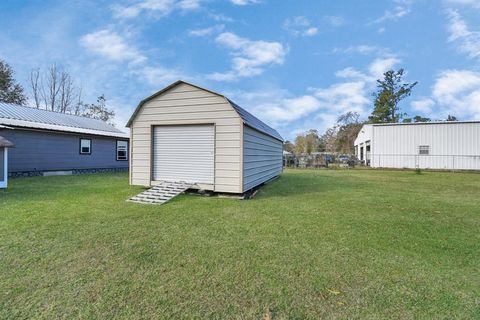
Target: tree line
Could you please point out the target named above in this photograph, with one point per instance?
(341, 136)
(52, 89)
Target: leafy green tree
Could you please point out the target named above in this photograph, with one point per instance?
(97, 111)
(421, 119)
(451, 118)
(329, 139)
(391, 90)
(349, 126)
(10, 90)
(289, 146)
(311, 141)
(300, 144)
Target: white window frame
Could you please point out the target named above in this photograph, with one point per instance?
(118, 147)
(89, 146)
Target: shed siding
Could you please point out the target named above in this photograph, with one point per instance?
(262, 156)
(181, 105)
(43, 151)
(451, 146)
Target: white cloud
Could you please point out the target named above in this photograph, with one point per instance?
(472, 3)
(300, 26)
(310, 32)
(380, 65)
(468, 41)
(362, 49)
(455, 92)
(203, 32)
(335, 21)
(289, 109)
(220, 17)
(189, 4)
(320, 106)
(401, 9)
(111, 45)
(160, 76)
(157, 8)
(244, 2)
(423, 105)
(249, 56)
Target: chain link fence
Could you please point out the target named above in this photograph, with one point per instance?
(317, 160)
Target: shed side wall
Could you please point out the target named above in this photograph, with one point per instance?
(452, 146)
(44, 151)
(181, 105)
(262, 157)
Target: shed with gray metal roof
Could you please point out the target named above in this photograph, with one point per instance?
(188, 133)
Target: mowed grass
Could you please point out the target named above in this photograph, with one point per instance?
(313, 244)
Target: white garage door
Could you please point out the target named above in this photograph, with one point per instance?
(185, 153)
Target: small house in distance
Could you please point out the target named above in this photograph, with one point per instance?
(4, 145)
(448, 145)
(52, 143)
(188, 133)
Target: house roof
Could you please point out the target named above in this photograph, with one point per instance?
(247, 118)
(19, 116)
(5, 143)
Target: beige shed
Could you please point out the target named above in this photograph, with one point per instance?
(188, 133)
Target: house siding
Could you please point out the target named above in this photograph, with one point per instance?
(50, 151)
(262, 156)
(182, 105)
(2, 164)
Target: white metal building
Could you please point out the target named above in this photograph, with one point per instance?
(188, 133)
(426, 145)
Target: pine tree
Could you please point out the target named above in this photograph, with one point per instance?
(10, 91)
(391, 90)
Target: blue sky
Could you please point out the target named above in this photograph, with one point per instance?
(295, 64)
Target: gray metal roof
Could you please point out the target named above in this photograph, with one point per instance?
(5, 143)
(252, 121)
(20, 116)
(248, 119)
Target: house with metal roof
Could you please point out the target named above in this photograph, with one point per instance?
(188, 133)
(48, 143)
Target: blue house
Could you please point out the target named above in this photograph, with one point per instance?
(51, 143)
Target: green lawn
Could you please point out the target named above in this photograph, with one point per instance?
(313, 244)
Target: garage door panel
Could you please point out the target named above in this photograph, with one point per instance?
(185, 152)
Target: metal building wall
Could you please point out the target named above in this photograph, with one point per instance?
(451, 146)
(262, 158)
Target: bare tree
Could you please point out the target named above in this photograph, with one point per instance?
(55, 90)
(35, 86)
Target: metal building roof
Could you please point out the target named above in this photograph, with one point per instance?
(20, 116)
(248, 119)
(5, 143)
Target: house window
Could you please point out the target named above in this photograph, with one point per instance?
(424, 150)
(85, 146)
(122, 150)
